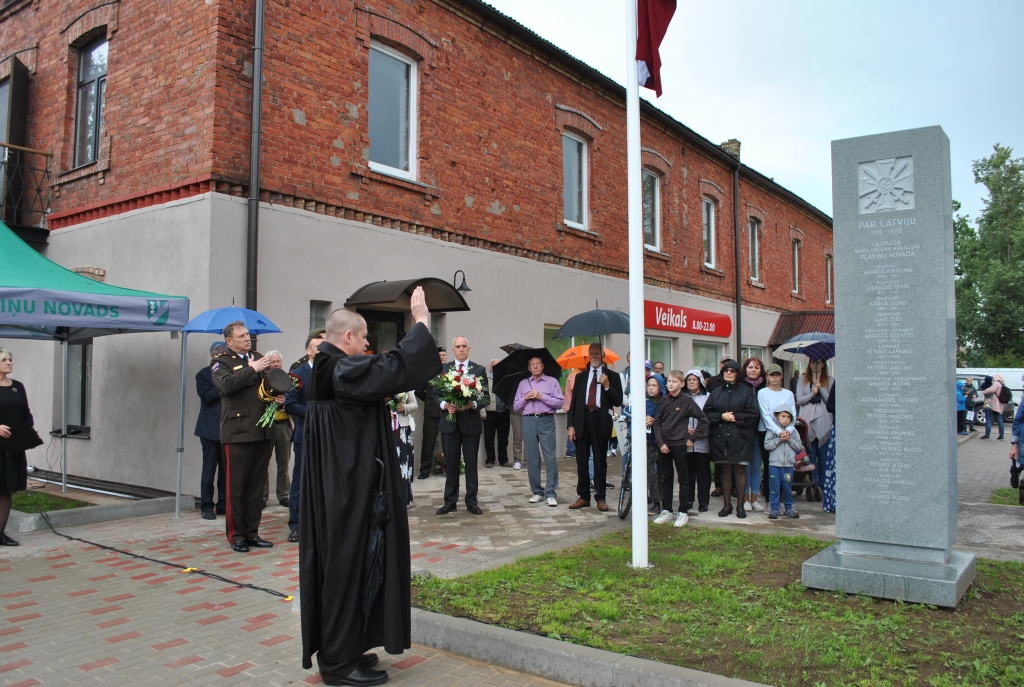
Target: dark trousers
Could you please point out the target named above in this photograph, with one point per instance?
(497, 425)
(591, 438)
(430, 425)
(467, 446)
(961, 420)
(282, 443)
(213, 467)
(293, 492)
(676, 457)
(698, 468)
(246, 467)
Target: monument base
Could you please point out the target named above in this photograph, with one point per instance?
(889, 578)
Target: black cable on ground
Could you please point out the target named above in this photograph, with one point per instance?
(191, 571)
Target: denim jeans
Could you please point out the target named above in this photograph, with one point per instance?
(754, 471)
(816, 452)
(538, 437)
(989, 414)
(780, 483)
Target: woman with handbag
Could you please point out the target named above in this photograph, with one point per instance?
(17, 435)
(811, 394)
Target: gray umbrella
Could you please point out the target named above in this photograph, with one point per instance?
(595, 323)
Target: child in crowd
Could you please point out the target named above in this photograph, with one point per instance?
(782, 450)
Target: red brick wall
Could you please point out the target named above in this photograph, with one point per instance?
(492, 107)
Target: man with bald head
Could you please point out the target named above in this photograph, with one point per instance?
(461, 438)
(349, 464)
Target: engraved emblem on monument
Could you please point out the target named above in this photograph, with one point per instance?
(885, 185)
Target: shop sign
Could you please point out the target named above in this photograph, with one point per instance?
(675, 318)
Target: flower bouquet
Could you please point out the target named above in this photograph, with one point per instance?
(277, 382)
(459, 390)
(398, 399)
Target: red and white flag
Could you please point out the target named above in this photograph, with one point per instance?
(652, 18)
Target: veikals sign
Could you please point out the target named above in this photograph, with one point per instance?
(675, 318)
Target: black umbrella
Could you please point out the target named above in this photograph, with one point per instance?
(373, 563)
(595, 323)
(510, 348)
(515, 368)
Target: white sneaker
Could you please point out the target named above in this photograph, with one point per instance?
(552, 502)
(681, 520)
(536, 498)
(663, 517)
(517, 465)
(756, 506)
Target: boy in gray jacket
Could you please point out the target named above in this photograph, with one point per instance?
(782, 451)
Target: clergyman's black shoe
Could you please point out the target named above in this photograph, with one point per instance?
(240, 547)
(208, 514)
(474, 509)
(7, 541)
(259, 543)
(447, 508)
(368, 660)
(361, 675)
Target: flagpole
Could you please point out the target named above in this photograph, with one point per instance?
(637, 395)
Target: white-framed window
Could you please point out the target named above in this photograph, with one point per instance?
(708, 214)
(574, 180)
(318, 311)
(652, 211)
(660, 351)
(91, 101)
(755, 249)
(706, 356)
(392, 112)
(747, 352)
(828, 278)
(796, 266)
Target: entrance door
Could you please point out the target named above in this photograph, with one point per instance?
(384, 329)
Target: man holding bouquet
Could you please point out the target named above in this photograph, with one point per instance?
(461, 427)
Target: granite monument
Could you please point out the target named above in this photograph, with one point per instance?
(896, 475)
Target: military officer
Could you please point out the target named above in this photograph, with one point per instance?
(238, 375)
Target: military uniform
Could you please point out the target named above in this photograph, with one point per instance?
(247, 447)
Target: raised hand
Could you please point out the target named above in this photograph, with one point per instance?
(418, 304)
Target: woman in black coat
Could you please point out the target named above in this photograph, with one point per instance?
(13, 466)
(733, 413)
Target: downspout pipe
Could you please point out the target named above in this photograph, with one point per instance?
(739, 261)
(253, 230)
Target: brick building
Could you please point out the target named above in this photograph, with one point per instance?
(400, 140)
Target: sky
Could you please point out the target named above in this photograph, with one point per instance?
(789, 76)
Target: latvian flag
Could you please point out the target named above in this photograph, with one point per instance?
(652, 18)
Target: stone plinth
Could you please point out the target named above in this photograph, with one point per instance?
(896, 488)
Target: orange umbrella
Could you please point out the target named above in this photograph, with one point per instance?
(578, 357)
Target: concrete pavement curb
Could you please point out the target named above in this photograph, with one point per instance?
(552, 659)
(33, 522)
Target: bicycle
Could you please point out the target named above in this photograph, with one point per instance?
(626, 488)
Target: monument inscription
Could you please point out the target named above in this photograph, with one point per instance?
(895, 389)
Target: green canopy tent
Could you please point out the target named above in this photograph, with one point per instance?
(41, 300)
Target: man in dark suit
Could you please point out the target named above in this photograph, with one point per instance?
(208, 431)
(462, 437)
(431, 421)
(295, 406)
(238, 375)
(596, 391)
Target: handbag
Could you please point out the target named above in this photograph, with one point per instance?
(23, 437)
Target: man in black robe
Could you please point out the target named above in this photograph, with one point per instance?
(347, 428)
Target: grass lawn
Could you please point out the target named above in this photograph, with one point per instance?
(35, 501)
(1005, 497)
(731, 603)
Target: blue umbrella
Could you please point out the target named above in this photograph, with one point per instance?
(214, 321)
(796, 348)
(823, 350)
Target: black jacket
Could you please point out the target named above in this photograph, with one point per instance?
(295, 401)
(208, 422)
(431, 401)
(733, 442)
(240, 403)
(716, 382)
(468, 421)
(610, 397)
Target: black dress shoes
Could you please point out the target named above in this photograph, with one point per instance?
(259, 543)
(293, 536)
(474, 509)
(7, 541)
(447, 508)
(208, 514)
(240, 546)
(283, 502)
(368, 660)
(221, 510)
(423, 475)
(361, 675)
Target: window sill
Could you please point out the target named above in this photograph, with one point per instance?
(756, 284)
(97, 167)
(13, 8)
(73, 433)
(712, 271)
(429, 192)
(656, 254)
(583, 233)
(796, 295)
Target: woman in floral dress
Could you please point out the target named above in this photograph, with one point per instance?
(402, 407)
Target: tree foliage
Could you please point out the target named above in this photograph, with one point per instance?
(989, 264)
